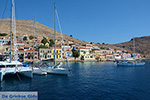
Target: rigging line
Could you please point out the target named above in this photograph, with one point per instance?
(4, 12)
(59, 26)
(5, 9)
(61, 36)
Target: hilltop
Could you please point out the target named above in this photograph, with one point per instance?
(25, 27)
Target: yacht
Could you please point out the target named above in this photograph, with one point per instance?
(11, 65)
(57, 68)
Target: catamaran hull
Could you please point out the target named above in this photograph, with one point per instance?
(1, 76)
(23, 71)
(27, 73)
(39, 71)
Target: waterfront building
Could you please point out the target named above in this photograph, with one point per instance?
(126, 55)
(118, 51)
(104, 51)
(96, 48)
(75, 47)
(57, 52)
(4, 41)
(117, 56)
(66, 47)
(99, 55)
(28, 55)
(89, 47)
(109, 57)
(45, 54)
(69, 53)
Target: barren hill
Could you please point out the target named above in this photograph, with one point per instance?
(142, 45)
(25, 27)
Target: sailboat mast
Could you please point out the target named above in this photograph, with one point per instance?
(54, 33)
(11, 31)
(134, 47)
(33, 42)
(122, 51)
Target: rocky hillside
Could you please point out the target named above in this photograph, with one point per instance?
(25, 27)
(142, 45)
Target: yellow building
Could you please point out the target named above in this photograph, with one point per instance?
(99, 55)
(57, 53)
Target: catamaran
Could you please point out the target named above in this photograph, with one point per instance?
(130, 62)
(57, 68)
(12, 65)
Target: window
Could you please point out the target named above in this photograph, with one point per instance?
(29, 53)
(48, 51)
(60, 51)
(59, 56)
(35, 53)
(57, 51)
(35, 57)
(25, 56)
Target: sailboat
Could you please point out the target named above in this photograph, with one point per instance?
(132, 62)
(11, 65)
(37, 69)
(56, 68)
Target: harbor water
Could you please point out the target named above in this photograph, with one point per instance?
(87, 81)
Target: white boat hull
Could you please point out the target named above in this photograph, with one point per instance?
(39, 71)
(131, 64)
(26, 71)
(62, 71)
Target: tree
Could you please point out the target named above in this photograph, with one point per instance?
(103, 43)
(44, 40)
(43, 46)
(30, 37)
(25, 38)
(51, 42)
(75, 53)
(8, 42)
(70, 35)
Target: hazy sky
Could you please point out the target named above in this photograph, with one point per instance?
(109, 21)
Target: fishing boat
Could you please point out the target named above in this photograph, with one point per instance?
(11, 65)
(57, 68)
(38, 69)
(131, 62)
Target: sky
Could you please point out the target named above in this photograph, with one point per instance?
(98, 21)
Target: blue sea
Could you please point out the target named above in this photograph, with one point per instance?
(87, 81)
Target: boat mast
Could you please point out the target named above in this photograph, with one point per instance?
(33, 42)
(11, 31)
(133, 47)
(122, 51)
(54, 33)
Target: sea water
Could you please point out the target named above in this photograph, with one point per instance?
(87, 81)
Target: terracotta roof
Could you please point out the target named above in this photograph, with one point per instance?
(68, 51)
(82, 48)
(6, 45)
(20, 51)
(30, 50)
(57, 48)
